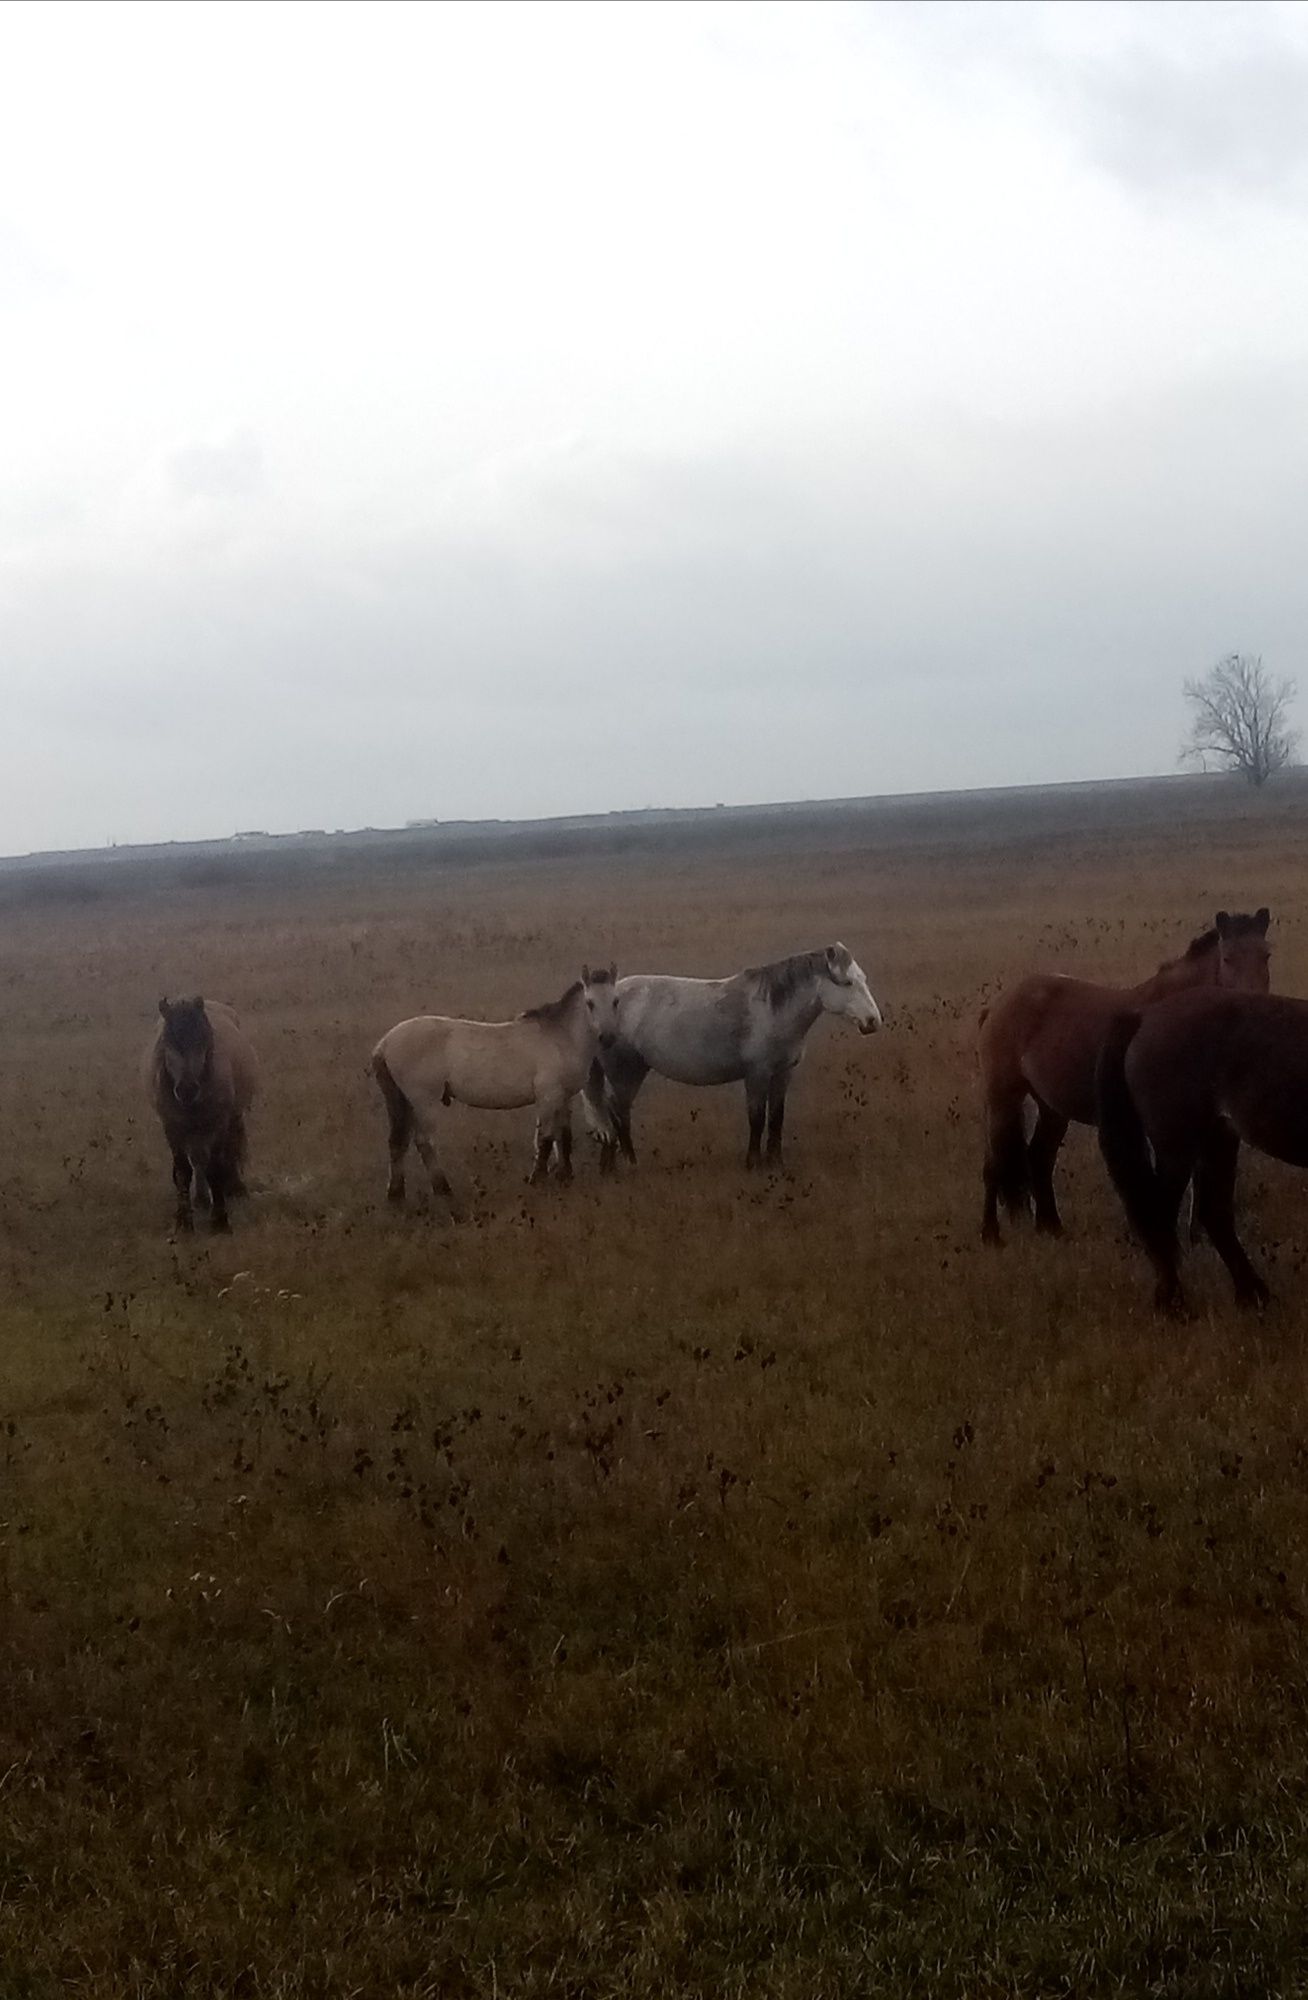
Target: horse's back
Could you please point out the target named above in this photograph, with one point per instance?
(491, 1065)
(235, 1051)
(1043, 1034)
(1239, 1056)
(691, 1030)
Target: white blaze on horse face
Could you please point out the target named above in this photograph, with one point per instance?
(849, 993)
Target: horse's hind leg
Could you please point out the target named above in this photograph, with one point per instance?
(440, 1184)
(1005, 1175)
(1042, 1152)
(1172, 1171)
(399, 1115)
(234, 1160)
(1214, 1211)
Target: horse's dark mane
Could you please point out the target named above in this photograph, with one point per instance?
(551, 1010)
(778, 982)
(1199, 946)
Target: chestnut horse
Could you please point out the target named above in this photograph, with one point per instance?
(1187, 1081)
(1040, 1041)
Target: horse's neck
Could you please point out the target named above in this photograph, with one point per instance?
(1177, 977)
(578, 1030)
(794, 1020)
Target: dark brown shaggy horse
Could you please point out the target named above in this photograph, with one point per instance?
(1040, 1042)
(1179, 1087)
(200, 1073)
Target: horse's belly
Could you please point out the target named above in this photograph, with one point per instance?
(695, 1069)
(488, 1083)
(1064, 1080)
(697, 1050)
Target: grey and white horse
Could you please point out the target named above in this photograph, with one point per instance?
(748, 1029)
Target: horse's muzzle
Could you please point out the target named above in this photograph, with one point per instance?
(607, 1041)
(868, 1027)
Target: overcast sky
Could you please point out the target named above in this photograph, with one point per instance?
(504, 410)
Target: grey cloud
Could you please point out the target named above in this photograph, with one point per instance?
(26, 275)
(1176, 99)
(1022, 602)
(1221, 109)
(231, 471)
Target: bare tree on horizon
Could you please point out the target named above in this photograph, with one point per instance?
(1240, 720)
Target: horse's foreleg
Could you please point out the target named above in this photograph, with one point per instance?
(756, 1104)
(211, 1185)
(1214, 1211)
(1050, 1132)
(624, 1073)
(776, 1119)
(563, 1148)
(553, 1135)
(182, 1183)
(544, 1147)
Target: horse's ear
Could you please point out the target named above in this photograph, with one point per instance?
(198, 1003)
(585, 975)
(164, 1009)
(1262, 918)
(1223, 922)
(613, 971)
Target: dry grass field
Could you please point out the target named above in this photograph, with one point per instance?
(683, 1584)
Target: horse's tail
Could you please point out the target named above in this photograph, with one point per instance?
(1122, 1138)
(595, 1105)
(398, 1108)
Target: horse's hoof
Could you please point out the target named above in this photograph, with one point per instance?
(219, 1225)
(1254, 1296)
(990, 1233)
(1049, 1228)
(395, 1194)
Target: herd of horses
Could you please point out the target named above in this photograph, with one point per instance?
(1175, 1073)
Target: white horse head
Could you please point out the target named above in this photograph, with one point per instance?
(843, 989)
(599, 987)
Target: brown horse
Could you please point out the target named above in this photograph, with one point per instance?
(1190, 1079)
(1040, 1041)
(200, 1073)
